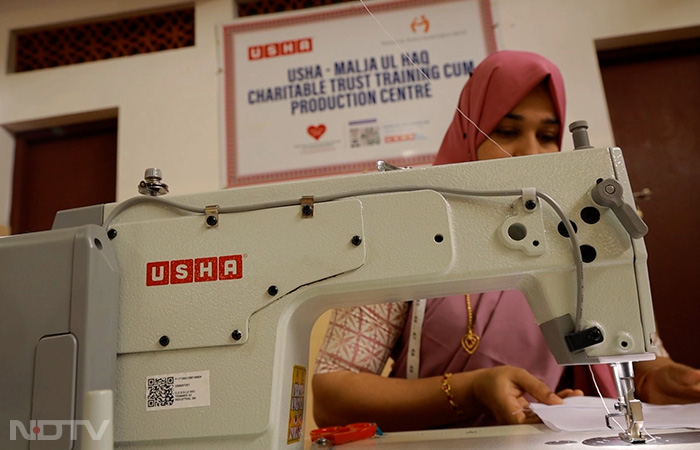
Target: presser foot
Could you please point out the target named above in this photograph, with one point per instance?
(634, 418)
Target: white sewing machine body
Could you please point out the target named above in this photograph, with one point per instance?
(228, 304)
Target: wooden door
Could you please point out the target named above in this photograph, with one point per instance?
(61, 168)
(653, 95)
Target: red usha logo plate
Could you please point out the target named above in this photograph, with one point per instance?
(197, 270)
(284, 48)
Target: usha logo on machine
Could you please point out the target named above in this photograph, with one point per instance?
(196, 270)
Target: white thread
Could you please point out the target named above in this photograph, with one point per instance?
(428, 78)
(602, 399)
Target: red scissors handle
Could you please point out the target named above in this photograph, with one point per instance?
(347, 433)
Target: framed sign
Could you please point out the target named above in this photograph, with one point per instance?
(336, 89)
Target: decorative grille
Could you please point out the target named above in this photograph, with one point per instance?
(125, 36)
(103, 39)
(272, 6)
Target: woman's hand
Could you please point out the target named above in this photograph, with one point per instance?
(501, 390)
(399, 404)
(664, 381)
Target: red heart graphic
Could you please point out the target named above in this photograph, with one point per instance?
(316, 131)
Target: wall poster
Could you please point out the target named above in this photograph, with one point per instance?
(335, 89)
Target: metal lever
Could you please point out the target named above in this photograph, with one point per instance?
(608, 193)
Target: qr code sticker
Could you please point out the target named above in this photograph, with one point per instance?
(364, 136)
(160, 391)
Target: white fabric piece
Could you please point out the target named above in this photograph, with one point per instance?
(588, 414)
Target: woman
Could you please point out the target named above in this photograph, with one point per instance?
(483, 351)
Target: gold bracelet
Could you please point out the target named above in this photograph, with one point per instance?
(447, 389)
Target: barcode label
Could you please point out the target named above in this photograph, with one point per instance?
(160, 391)
(177, 390)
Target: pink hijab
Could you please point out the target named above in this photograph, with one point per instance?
(497, 85)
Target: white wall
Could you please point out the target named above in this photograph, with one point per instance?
(169, 102)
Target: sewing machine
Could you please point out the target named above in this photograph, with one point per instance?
(196, 311)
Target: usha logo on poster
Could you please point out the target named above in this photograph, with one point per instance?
(38, 429)
(284, 48)
(197, 270)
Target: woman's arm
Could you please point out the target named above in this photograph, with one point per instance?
(400, 404)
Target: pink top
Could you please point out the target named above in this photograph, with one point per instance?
(508, 335)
